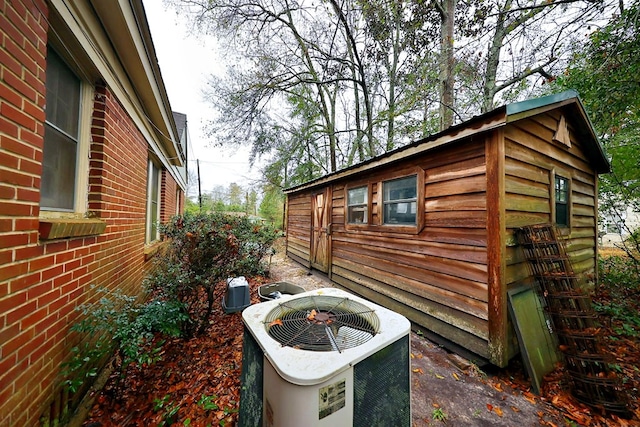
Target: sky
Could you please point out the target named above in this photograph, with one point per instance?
(186, 62)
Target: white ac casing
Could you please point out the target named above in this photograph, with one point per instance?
(316, 388)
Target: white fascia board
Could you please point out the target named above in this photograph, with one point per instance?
(88, 31)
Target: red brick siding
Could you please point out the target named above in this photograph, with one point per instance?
(41, 283)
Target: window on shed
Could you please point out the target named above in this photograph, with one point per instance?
(562, 200)
(357, 207)
(400, 201)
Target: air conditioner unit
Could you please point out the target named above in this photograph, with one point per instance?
(324, 358)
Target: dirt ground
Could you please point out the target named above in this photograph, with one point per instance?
(446, 388)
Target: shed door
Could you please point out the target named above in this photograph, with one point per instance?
(320, 231)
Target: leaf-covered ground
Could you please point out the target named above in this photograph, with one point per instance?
(197, 382)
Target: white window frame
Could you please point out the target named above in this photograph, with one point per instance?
(81, 182)
(410, 204)
(152, 233)
(363, 207)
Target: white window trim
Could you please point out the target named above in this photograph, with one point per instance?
(151, 167)
(81, 191)
(366, 205)
(398, 201)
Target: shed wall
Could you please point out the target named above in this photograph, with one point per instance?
(438, 277)
(532, 159)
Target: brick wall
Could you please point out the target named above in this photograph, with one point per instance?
(42, 282)
(29, 300)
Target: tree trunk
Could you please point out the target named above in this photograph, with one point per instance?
(447, 12)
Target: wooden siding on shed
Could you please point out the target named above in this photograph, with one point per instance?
(298, 227)
(451, 274)
(531, 161)
(437, 277)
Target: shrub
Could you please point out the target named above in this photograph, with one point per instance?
(118, 323)
(617, 293)
(203, 250)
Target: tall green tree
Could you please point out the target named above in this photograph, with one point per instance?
(606, 73)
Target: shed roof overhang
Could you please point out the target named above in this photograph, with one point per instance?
(499, 117)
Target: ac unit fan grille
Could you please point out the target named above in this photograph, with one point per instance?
(322, 323)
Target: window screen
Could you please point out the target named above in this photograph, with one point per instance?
(357, 208)
(60, 135)
(400, 201)
(153, 202)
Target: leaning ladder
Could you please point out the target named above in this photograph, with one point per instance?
(573, 317)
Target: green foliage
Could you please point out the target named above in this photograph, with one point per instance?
(118, 323)
(619, 288)
(439, 415)
(202, 251)
(272, 207)
(207, 402)
(606, 73)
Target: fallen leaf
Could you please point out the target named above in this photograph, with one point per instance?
(455, 376)
(515, 409)
(312, 315)
(498, 386)
(440, 377)
(418, 371)
(489, 407)
(498, 411)
(276, 322)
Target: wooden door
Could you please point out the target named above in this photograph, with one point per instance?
(320, 212)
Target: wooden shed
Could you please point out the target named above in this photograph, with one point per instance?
(428, 229)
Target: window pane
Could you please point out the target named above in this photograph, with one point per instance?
(357, 210)
(400, 189)
(562, 214)
(358, 215)
(154, 201)
(562, 200)
(58, 170)
(400, 213)
(357, 196)
(63, 96)
(400, 201)
(60, 136)
(562, 185)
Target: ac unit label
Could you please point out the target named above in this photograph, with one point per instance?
(332, 398)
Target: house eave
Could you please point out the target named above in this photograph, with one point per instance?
(126, 25)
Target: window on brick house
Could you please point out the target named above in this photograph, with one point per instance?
(66, 138)
(153, 202)
(61, 135)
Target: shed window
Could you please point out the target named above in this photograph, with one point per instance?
(400, 201)
(562, 200)
(357, 207)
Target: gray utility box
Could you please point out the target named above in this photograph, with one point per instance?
(237, 296)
